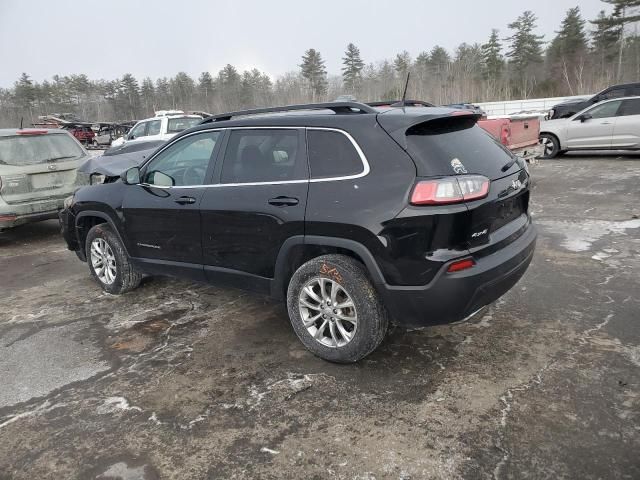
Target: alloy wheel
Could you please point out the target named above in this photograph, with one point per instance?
(103, 261)
(328, 312)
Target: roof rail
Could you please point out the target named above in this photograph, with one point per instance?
(399, 103)
(337, 107)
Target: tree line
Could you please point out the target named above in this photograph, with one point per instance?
(583, 57)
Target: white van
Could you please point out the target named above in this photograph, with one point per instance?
(163, 126)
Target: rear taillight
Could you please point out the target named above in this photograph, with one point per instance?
(505, 135)
(442, 191)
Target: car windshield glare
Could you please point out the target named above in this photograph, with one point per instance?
(35, 149)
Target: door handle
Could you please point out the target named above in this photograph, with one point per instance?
(605, 123)
(283, 201)
(186, 200)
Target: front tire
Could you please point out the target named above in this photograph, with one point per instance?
(551, 146)
(108, 261)
(335, 310)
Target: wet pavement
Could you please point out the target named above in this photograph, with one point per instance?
(181, 380)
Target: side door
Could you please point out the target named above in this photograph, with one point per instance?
(258, 203)
(154, 128)
(593, 128)
(161, 214)
(138, 131)
(626, 131)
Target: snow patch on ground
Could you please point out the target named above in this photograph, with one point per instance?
(578, 237)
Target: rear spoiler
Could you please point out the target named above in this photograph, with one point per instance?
(397, 121)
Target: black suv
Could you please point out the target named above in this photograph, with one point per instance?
(355, 215)
(571, 107)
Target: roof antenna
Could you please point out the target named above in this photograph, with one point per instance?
(404, 94)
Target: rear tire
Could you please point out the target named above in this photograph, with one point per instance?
(350, 319)
(551, 146)
(108, 261)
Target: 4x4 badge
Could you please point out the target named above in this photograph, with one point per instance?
(457, 166)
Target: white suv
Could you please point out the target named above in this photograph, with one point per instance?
(163, 126)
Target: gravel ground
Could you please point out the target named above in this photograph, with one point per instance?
(181, 380)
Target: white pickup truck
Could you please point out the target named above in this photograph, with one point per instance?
(163, 126)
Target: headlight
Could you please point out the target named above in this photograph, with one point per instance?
(69, 201)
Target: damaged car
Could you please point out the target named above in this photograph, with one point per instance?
(38, 171)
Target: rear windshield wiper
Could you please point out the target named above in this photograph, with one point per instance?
(60, 158)
(509, 164)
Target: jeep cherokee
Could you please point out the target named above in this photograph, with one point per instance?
(355, 215)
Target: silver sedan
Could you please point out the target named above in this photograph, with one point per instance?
(610, 125)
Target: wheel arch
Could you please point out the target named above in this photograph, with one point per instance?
(554, 135)
(87, 219)
(299, 249)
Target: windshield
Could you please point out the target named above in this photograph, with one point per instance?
(34, 149)
(179, 124)
(456, 145)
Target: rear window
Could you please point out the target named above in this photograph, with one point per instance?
(331, 154)
(455, 145)
(34, 149)
(179, 124)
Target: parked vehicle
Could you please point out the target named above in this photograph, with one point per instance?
(354, 215)
(107, 132)
(519, 133)
(570, 108)
(82, 132)
(38, 170)
(610, 125)
(163, 126)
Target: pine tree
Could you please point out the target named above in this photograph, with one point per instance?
(352, 68)
(526, 49)
(402, 64)
(624, 13)
(315, 73)
(129, 95)
(147, 93)
(205, 89)
(492, 60)
(25, 92)
(566, 54)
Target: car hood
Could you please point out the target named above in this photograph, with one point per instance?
(571, 102)
(114, 165)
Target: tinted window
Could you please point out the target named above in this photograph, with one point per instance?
(331, 154)
(34, 149)
(453, 145)
(176, 125)
(154, 127)
(633, 91)
(607, 110)
(630, 107)
(263, 156)
(183, 163)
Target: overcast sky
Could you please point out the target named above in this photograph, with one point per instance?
(160, 37)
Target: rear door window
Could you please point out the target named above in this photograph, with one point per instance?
(267, 155)
(176, 125)
(629, 107)
(154, 127)
(35, 149)
(331, 154)
(456, 145)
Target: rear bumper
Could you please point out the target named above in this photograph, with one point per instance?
(451, 297)
(12, 215)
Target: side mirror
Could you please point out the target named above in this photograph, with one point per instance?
(131, 176)
(585, 117)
